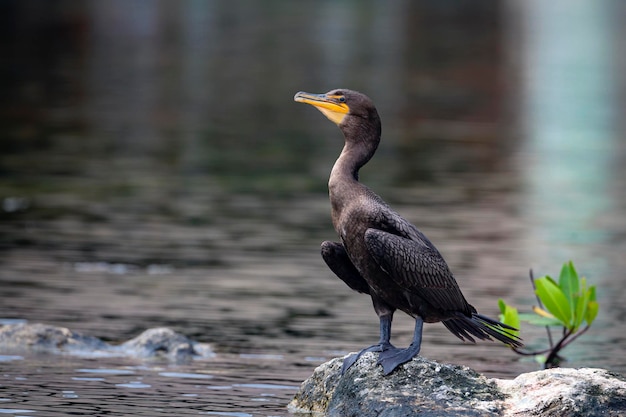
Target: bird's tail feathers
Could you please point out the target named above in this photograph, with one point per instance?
(483, 328)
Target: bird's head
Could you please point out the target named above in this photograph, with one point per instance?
(352, 111)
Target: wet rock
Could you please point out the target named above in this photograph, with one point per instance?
(159, 343)
(424, 388)
(44, 338)
(164, 342)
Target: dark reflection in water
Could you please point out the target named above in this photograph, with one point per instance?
(154, 171)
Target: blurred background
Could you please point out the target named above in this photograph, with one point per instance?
(155, 171)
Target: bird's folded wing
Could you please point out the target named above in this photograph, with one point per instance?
(417, 268)
(335, 256)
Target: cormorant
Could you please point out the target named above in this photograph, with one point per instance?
(382, 254)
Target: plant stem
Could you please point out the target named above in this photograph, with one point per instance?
(533, 353)
(576, 336)
(551, 359)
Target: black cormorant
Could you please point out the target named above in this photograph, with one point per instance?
(382, 254)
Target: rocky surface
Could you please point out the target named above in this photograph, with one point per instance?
(565, 392)
(158, 343)
(163, 341)
(424, 388)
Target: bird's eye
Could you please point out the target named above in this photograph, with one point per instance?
(342, 99)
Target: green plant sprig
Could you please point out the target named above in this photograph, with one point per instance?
(568, 303)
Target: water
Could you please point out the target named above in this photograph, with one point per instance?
(234, 386)
(154, 171)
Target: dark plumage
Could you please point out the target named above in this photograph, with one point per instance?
(382, 254)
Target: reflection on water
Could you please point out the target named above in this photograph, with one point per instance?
(154, 171)
(573, 150)
(569, 110)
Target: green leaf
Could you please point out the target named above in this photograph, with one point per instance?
(568, 282)
(543, 321)
(580, 312)
(502, 306)
(539, 321)
(511, 318)
(554, 300)
(549, 278)
(581, 301)
(592, 293)
(592, 311)
(527, 317)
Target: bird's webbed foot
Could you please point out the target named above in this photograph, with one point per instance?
(352, 358)
(392, 358)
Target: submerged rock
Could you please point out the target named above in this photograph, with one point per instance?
(45, 338)
(424, 388)
(165, 342)
(159, 343)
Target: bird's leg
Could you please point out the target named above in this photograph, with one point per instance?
(390, 359)
(385, 332)
(382, 345)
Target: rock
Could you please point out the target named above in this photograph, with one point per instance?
(565, 392)
(424, 388)
(420, 388)
(44, 338)
(159, 343)
(164, 342)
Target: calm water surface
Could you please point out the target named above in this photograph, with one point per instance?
(234, 386)
(154, 171)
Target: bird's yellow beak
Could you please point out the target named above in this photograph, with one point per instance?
(329, 105)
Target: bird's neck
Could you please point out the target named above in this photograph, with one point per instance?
(361, 142)
(343, 184)
(347, 166)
